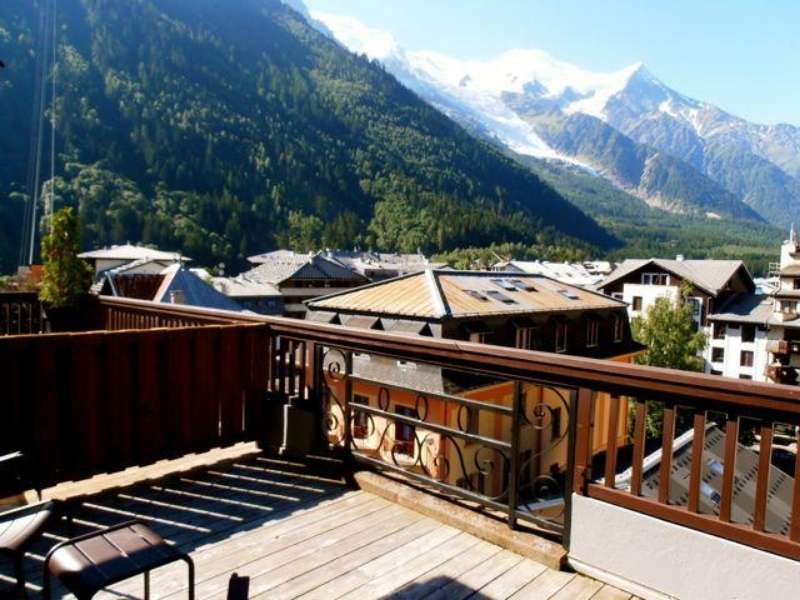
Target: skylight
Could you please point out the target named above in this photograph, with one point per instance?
(477, 295)
(522, 285)
(501, 297)
(569, 294)
(505, 284)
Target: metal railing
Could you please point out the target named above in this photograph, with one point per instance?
(21, 313)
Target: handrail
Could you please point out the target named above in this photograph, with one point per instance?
(606, 375)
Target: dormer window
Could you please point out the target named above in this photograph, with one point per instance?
(655, 279)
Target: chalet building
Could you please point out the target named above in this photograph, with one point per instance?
(582, 274)
(757, 336)
(118, 256)
(281, 281)
(712, 283)
(529, 312)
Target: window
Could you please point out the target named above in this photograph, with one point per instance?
(743, 376)
(748, 333)
(717, 354)
(655, 279)
(526, 338)
(523, 285)
(555, 425)
(477, 295)
(360, 418)
(561, 337)
(500, 296)
(746, 358)
(617, 295)
(719, 331)
(569, 294)
(637, 303)
(592, 332)
(715, 372)
(478, 338)
(796, 283)
(619, 328)
(505, 284)
(788, 306)
(404, 433)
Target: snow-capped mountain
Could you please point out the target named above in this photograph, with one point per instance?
(675, 152)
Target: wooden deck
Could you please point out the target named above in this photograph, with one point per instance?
(296, 530)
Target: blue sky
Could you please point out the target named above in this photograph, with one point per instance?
(741, 56)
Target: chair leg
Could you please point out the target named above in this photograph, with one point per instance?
(147, 585)
(19, 573)
(190, 569)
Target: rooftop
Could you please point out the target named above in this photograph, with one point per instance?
(438, 294)
(277, 267)
(129, 252)
(709, 275)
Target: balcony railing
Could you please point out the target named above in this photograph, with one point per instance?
(513, 432)
(20, 313)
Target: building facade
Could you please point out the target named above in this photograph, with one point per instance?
(528, 312)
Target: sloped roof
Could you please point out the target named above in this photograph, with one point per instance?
(196, 291)
(709, 275)
(745, 308)
(132, 252)
(437, 294)
(281, 266)
(242, 287)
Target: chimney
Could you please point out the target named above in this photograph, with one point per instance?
(177, 297)
(679, 258)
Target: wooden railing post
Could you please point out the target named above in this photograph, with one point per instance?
(583, 440)
(516, 432)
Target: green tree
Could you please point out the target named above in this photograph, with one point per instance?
(669, 332)
(673, 341)
(66, 278)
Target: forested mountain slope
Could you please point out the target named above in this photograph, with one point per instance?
(225, 128)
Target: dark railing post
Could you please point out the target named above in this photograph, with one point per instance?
(582, 441)
(347, 401)
(513, 480)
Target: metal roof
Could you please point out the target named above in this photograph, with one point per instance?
(280, 266)
(437, 294)
(710, 275)
(196, 292)
(129, 252)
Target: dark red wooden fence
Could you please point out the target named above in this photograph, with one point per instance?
(86, 403)
(20, 313)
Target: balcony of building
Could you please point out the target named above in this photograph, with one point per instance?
(587, 465)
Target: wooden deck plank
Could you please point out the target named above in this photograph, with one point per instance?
(219, 559)
(512, 580)
(312, 583)
(317, 552)
(580, 588)
(448, 571)
(608, 592)
(545, 585)
(480, 576)
(385, 585)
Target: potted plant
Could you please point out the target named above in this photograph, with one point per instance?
(65, 278)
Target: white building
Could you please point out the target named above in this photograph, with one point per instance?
(757, 336)
(117, 256)
(712, 283)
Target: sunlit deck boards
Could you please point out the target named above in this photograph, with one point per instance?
(297, 531)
